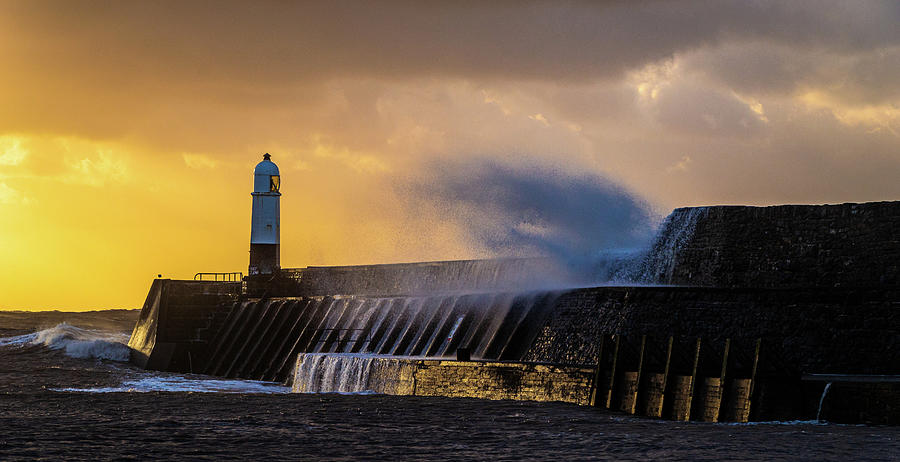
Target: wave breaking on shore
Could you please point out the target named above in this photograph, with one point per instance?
(75, 342)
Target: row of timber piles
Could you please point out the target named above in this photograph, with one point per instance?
(677, 378)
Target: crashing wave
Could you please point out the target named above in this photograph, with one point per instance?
(76, 342)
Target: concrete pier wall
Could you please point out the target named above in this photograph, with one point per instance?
(811, 330)
(836, 330)
(261, 338)
(425, 278)
(176, 321)
(846, 245)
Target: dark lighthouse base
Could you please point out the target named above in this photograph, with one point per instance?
(264, 259)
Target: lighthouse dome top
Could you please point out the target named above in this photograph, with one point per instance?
(266, 167)
(266, 179)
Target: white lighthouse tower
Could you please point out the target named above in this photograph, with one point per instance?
(265, 228)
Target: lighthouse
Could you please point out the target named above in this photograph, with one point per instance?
(265, 223)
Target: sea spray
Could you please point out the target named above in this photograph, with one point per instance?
(18, 340)
(651, 260)
(76, 342)
(674, 234)
(529, 208)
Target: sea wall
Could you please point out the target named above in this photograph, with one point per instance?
(260, 338)
(822, 330)
(176, 321)
(462, 379)
(790, 246)
(811, 330)
(640, 384)
(494, 380)
(806, 289)
(426, 278)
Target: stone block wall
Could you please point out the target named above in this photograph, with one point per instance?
(811, 330)
(496, 380)
(466, 379)
(792, 246)
(428, 277)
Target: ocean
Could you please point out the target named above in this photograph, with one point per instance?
(67, 392)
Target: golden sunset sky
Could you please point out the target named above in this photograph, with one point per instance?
(416, 130)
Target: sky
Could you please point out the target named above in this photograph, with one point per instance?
(410, 131)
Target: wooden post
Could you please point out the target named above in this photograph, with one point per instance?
(694, 368)
(611, 373)
(637, 379)
(707, 393)
(725, 358)
(683, 388)
(653, 390)
(598, 372)
(714, 392)
(738, 384)
(754, 385)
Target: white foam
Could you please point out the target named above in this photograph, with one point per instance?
(18, 340)
(76, 342)
(186, 384)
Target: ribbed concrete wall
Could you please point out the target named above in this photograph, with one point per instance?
(261, 338)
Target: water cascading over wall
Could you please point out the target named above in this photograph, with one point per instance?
(657, 265)
(351, 373)
(261, 338)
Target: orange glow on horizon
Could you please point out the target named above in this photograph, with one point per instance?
(129, 130)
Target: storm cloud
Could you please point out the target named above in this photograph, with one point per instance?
(426, 130)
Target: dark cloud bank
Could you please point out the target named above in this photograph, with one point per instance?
(273, 42)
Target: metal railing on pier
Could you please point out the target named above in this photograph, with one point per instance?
(224, 277)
